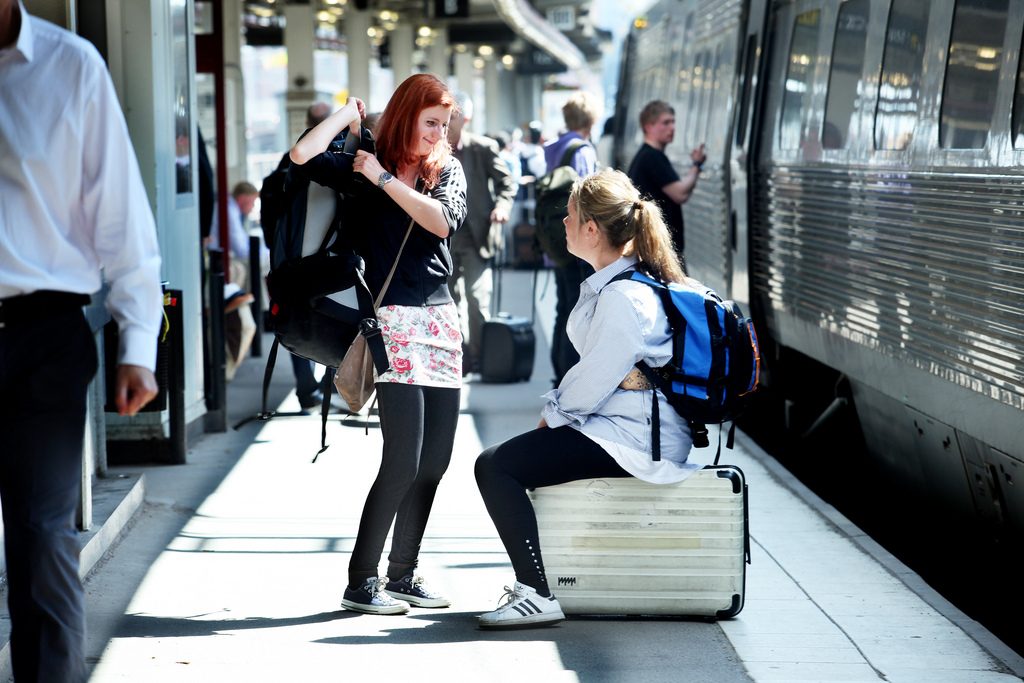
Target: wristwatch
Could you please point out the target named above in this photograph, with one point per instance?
(384, 179)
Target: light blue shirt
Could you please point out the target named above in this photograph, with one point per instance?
(614, 325)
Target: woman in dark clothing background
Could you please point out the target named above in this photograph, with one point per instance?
(411, 178)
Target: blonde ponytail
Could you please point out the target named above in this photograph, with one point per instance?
(652, 244)
(628, 221)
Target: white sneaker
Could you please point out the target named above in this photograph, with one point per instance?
(370, 598)
(523, 608)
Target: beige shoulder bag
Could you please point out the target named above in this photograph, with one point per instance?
(355, 377)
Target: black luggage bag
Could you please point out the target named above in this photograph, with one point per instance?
(506, 349)
(507, 342)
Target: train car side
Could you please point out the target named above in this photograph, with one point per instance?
(869, 184)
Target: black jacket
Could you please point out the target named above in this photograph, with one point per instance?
(375, 226)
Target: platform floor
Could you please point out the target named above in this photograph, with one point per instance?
(231, 568)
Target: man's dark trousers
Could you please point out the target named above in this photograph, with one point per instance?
(46, 364)
(305, 380)
(567, 292)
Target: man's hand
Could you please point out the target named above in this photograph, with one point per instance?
(543, 424)
(698, 156)
(135, 387)
(499, 215)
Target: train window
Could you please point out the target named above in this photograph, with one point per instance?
(972, 73)
(682, 74)
(900, 87)
(1018, 104)
(711, 95)
(203, 17)
(182, 105)
(845, 85)
(696, 88)
(750, 55)
(803, 51)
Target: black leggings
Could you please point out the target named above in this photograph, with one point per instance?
(543, 457)
(418, 425)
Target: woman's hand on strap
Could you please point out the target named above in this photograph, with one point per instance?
(368, 165)
(317, 139)
(426, 211)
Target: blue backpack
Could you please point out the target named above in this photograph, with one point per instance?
(716, 361)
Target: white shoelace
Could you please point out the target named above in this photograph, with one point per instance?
(377, 592)
(510, 597)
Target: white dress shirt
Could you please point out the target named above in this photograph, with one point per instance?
(614, 325)
(71, 195)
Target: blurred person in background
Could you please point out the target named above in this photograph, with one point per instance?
(490, 191)
(579, 112)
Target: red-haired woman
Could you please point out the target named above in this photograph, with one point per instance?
(412, 177)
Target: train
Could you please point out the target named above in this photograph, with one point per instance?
(863, 198)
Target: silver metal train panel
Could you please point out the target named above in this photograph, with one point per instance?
(923, 268)
(687, 56)
(893, 254)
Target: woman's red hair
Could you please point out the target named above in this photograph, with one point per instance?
(396, 132)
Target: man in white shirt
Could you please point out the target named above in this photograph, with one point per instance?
(72, 208)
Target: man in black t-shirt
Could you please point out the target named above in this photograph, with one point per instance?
(652, 172)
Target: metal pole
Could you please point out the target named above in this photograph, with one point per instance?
(176, 377)
(216, 402)
(256, 288)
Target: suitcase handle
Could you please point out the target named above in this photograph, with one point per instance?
(496, 267)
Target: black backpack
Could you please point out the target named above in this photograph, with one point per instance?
(300, 313)
(552, 198)
(274, 199)
(716, 361)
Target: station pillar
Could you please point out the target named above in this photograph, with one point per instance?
(401, 42)
(495, 106)
(234, 94)
(465, 73)
(437, 55)
(299, 34)
(357, 22)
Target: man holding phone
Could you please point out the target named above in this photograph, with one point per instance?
(653, 174)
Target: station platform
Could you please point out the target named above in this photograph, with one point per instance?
(232, 567)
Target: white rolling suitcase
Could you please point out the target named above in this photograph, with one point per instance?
(621, 546)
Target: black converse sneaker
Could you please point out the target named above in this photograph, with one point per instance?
(371, 598)
(523, 608)
(415, 591)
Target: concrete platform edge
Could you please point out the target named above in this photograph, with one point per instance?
(105, 535)
(984, 638)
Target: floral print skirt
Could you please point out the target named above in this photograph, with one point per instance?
(424, 345)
